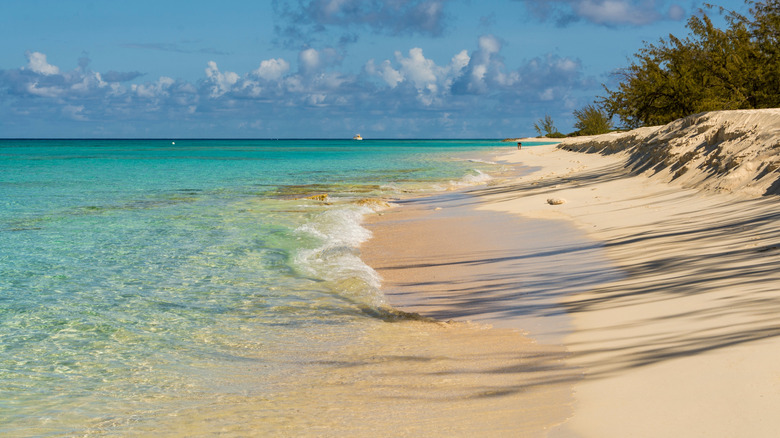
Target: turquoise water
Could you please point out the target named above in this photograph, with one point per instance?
(140, 279)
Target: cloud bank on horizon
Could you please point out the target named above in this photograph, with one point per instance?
(321, 88)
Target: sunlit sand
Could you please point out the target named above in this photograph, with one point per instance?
(669, 283)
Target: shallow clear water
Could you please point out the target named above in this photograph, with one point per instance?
(140, 279)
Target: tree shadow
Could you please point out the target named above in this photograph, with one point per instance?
(726, 256)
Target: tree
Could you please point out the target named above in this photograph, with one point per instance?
(545, 127)
(764, 33)
(592, 120)
(711, 69)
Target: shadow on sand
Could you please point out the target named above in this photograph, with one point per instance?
(726, 255)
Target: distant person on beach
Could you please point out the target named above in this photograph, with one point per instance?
(519, 145)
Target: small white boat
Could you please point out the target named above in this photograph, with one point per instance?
(357, 137)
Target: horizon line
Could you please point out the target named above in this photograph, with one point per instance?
(245, 138)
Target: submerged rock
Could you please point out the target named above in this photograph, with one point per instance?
(320, 197)
(372, 202)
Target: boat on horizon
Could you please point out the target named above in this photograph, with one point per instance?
(357, 137)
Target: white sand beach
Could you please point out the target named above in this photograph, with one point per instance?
(671, 287)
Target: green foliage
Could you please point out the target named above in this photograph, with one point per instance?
(711, 69)
(545, 127)
(592, 120)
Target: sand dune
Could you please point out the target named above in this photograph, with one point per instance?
(727, 151)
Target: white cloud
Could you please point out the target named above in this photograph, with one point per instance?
(221, 82)
(36, 61)
(489, 44)
(613, 11)
(391, 76)
(35, 89)
(272, 69)
(154, 89)
(309, 60)
(567, 65)
(252, 88)
(74, 112)
(294, 84)
(396, 90)
(89, 81)
(331, 80)
(316, 99)
(459, 61)
(480, 73)
(417, 68)
(485, 69)
(605, 12)
(312, 61)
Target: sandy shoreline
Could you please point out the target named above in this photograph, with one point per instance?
(444, 258)
(680, 337)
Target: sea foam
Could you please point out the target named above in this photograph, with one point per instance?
(337, 257)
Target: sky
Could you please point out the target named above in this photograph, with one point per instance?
(315, 68)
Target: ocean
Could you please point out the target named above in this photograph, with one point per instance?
(203, 286)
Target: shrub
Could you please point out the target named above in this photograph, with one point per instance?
(592, 120)
(546, 128)
(711, 69)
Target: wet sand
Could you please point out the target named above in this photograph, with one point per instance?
(442, 258)
(406, 378)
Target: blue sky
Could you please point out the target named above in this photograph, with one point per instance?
(315, 68)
